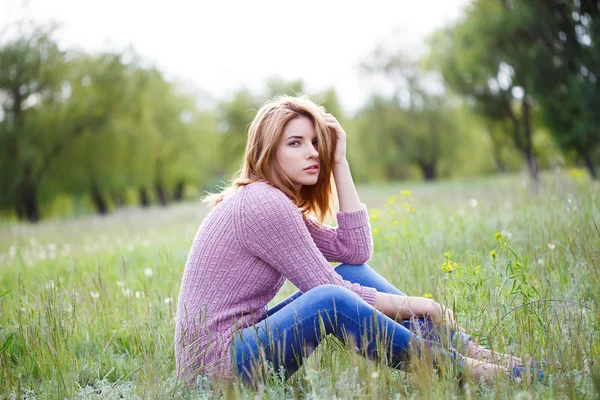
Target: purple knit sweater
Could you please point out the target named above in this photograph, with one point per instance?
(242, 254)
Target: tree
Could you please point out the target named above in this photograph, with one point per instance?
(472, 57)
(32, 72)
(235, 117)
(562, 39)
(418, 121)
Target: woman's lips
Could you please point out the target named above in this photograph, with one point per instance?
(312, 170)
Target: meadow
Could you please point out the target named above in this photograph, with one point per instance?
(88, 304)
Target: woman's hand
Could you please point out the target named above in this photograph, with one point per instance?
(442, 315)
(340, 147)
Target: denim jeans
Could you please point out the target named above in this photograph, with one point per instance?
(292, 329)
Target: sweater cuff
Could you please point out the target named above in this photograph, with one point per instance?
(368, 295)
(353, 219)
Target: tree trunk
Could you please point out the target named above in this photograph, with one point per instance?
(429, 172)
(28, 196)
(19, 210)
(532, 167)
(161, 194)
(178, 195)
(144, 200)
(29, 201)
(589, 163)
(497, 152)
(528, 148)
(118, 198)
(99, 201)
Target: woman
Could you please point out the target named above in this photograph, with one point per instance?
(268, 227)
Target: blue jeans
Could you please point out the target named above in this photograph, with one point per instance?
(292, 329)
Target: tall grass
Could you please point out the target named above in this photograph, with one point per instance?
(91, 307)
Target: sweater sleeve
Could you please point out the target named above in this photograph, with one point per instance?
(351, 242)
(272, 228)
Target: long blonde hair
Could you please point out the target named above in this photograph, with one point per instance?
(260, 164)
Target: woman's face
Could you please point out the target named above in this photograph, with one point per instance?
(297, 153)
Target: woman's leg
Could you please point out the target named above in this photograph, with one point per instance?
(355, 273)
(366, 276)
(289, 335)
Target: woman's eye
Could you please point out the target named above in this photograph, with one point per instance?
(294, 142)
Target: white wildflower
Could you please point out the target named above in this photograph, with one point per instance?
(139, 295)
(42, 255)
(50, 285)
(120, 283)
(148, 272)
(51, 247)
(551, 246)
(168, 300)
(375, 374)
(473, 202)
(94, 295)
(127, 292)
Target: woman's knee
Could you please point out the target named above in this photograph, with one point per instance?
(348, 271)
(326, 296)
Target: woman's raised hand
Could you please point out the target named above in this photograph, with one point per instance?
(340, 148)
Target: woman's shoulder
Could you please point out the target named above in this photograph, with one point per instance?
(263, 196)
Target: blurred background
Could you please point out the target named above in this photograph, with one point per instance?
(115, 104)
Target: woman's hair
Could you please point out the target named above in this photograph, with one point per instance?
(260, 164)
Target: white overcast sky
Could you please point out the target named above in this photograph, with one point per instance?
(220, 46)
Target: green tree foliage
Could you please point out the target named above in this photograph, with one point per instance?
(234, 119)
(473, 60)
(32, 71)
(513, 58)
(561, 40)
(417, 127)
(95, 126)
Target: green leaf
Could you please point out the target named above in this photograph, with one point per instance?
(7, 343)
(5, 292)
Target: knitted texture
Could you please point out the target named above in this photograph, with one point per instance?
(241, 255)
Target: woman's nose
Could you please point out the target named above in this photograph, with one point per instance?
(312, 151)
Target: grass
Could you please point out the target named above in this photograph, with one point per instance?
(91, 307)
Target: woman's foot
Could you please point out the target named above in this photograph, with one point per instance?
(480, 353)
(487, 372)
(483, 371)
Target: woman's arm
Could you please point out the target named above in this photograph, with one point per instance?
(405, 307)
(346, 191)
(349, 243)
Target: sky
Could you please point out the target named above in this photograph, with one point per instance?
(217, 47)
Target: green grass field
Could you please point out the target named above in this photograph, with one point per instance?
(90, 312)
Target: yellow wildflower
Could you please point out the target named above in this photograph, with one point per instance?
(376, 230)
(405, 193)
(428, 295)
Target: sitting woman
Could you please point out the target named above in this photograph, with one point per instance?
(268, 227)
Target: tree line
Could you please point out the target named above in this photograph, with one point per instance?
(510, 84)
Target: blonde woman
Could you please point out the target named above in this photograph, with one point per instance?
(266, 228)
